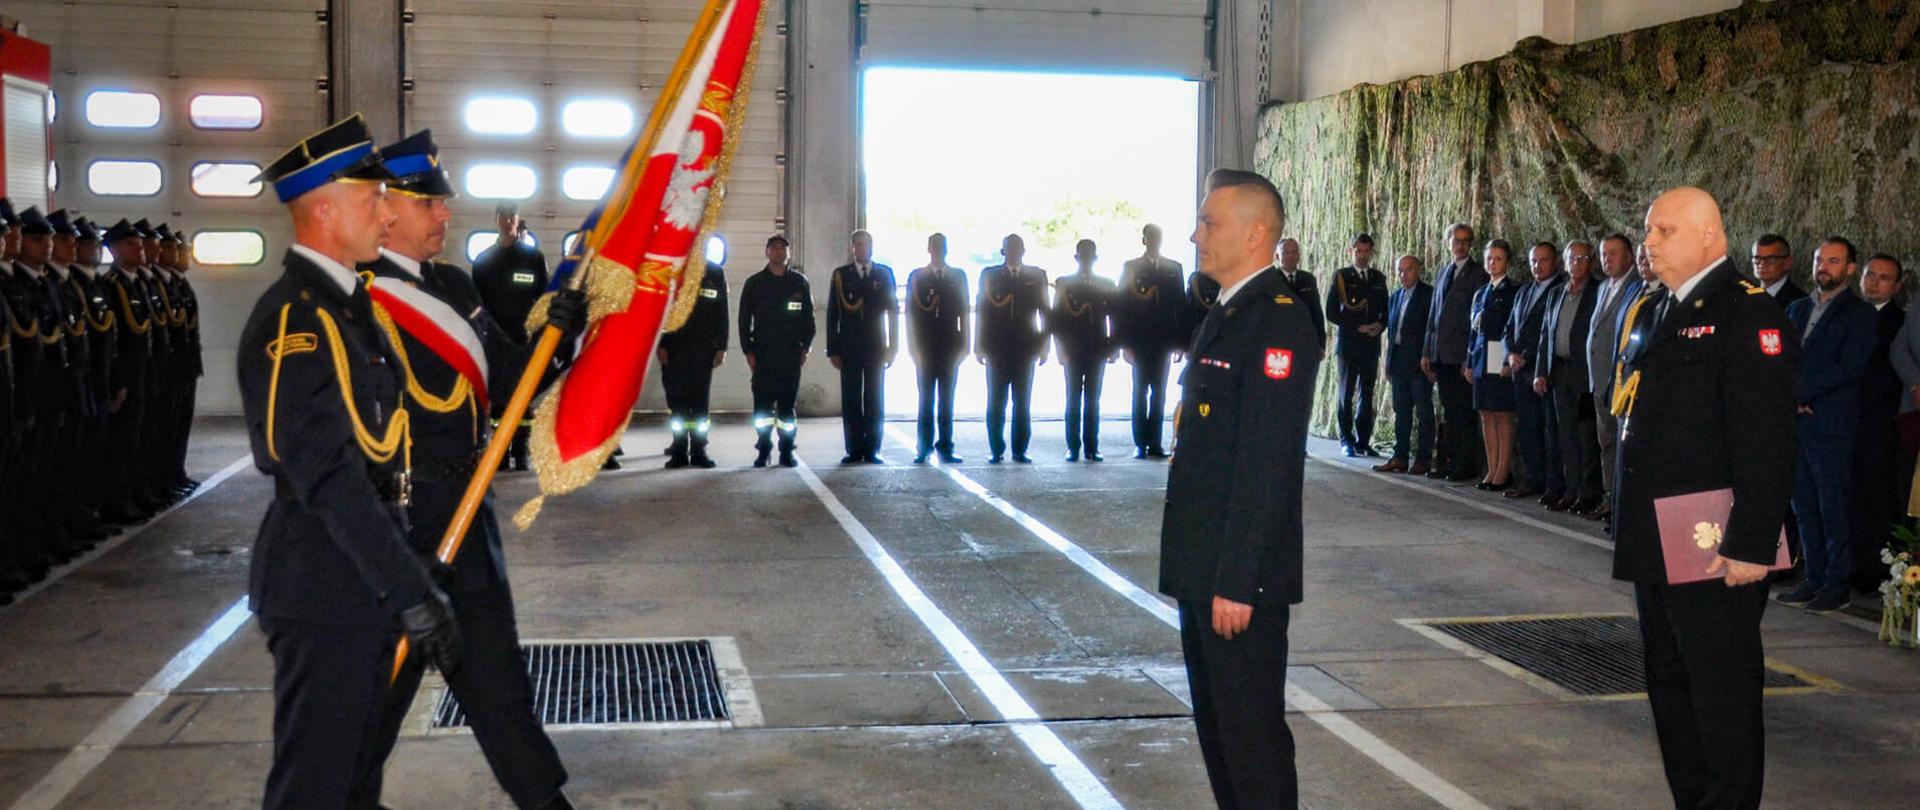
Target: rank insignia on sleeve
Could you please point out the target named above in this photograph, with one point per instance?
(1279, 363)
(1770, 341)
(1696, 332)
(296, 343)
(1282, 300)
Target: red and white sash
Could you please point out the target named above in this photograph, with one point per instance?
(437, 326)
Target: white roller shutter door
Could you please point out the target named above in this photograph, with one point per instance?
(1161, 37)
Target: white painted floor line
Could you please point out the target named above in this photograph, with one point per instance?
(130, 532)
(1072, 774)
(1313, 708)
(1443, 493)
(94, 749)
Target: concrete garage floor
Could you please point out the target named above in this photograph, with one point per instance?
(863, 706)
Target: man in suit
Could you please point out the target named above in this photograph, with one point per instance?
(863, 335)
(1149, 320)
(1618, 292)
(1230, 539)
(1081, 322)
(1287, 257)
(1706, 403)
(511, 275)
(1838, 331)
(1877, 506)
(1773, 265)
(1357, 307)
(940, 337)
(1444, 350)
(1407, 314)
(1560, 376)
(1543, 479)
(335, 581)
(423, 303)
(1013, 337)
(688, 356)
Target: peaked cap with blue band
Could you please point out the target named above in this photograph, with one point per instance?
(343, 151)
(62, 226)
(120, 230)
(415, 162)
(34, 223)
(87, 231)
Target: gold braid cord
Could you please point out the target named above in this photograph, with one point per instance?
(139, 327)
(86, 312)
(462, 392)
(695, 269)
(379, 450)
(610, 288)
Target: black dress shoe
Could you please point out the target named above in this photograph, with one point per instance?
(852, 459)
(1155, 452)
(1460, 478)
(920, 458)
(874, 458)
(1439, 473)
(1522, 492)
(1092, 456)
(1140, 452)
(1021, 459)
(949, 458)
(1369, 451)
(1503, 486)
(676, 462)
(611, 464)
(1072, 455)
(1549, 498)
(994, 459)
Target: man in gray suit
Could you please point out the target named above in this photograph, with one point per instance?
(1616, 293)
(1445, 351)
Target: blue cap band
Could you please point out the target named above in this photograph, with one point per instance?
(410, 164)
(320, 173)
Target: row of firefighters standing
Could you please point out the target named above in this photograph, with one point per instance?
(98, 370)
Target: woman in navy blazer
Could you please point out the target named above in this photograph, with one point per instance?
(1493, 392)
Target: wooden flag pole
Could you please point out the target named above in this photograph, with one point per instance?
(550, 336)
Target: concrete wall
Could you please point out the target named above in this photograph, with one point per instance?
(1332, 45)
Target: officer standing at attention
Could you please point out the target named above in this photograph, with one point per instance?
(776, 335)
(863, 335)
(940, 340)
(1149, 320)
(447, 385)
(511, 275)
(187, 365)
(157, 428)
(1357, 304)
(1303, 284)
(1013, 335)
(688, 357)
(56, 387)
(103, 327)
(1082, 325)
(334, 580)
(1706, 402)
(77, 477)
(133, 357)
(1230, 542)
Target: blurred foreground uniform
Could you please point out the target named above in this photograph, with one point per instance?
(688, 357)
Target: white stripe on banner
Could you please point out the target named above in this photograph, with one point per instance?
(1072, 774)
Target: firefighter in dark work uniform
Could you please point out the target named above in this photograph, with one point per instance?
(334, 582)
(511, 276)
(447, 417)
(688, 357)
(776, 335)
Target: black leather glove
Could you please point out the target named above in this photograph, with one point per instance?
(441, 573)
(433, 632)
(568, 311)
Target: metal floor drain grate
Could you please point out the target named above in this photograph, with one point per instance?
(588, 683)
(1593, 656)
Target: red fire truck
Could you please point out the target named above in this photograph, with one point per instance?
(26, 150)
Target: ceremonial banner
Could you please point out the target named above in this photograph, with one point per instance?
(635, 248)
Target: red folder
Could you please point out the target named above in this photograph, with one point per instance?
(1691, 529)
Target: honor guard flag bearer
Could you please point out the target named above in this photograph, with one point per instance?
(638, 248)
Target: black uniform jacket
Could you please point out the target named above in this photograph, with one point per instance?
(510, 279)
(1012, 314)
(1712, 408)
(1356, 299)
(126, 292)
(1152, 304)
(1202, 294)
(1082, 318)
(102, 326)
(1233, 526)
(776, 315)
(333, 547)
(705, 331)
(857, 313)
(937, 316)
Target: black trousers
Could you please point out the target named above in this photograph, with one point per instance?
(1240, 707)
(496, 695)
(1358, 371)
(1084, 377)
(1412, 401)
(1570, 413)
(862, 403)
(1009, 379)
(776, 384)
(1530, 436)
(1149, 398)
(329, 689)
(687, 377)
(936, 377)
(157, 433)
(1704, 682)
(183, 424)
(1876, 501)
(1460, 423)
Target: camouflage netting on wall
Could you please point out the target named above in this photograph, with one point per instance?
(1799, 115)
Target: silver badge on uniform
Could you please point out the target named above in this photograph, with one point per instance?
(709, 293)
(523, 278)
(793, 306)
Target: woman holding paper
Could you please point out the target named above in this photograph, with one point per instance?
(1487, 367)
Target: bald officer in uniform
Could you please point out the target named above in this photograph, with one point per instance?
(1706, 403)
(1230, 542)
(334, 583)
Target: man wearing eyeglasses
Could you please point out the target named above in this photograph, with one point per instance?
(1773, 266)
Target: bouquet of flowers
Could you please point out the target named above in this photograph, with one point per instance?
(1900, 594)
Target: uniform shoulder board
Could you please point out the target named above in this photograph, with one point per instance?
(1283, 300)
(1752, 288)
(293, 343)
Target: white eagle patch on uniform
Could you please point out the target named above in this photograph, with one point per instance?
(1279, 363)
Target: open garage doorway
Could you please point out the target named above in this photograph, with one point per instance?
(1054, 157)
